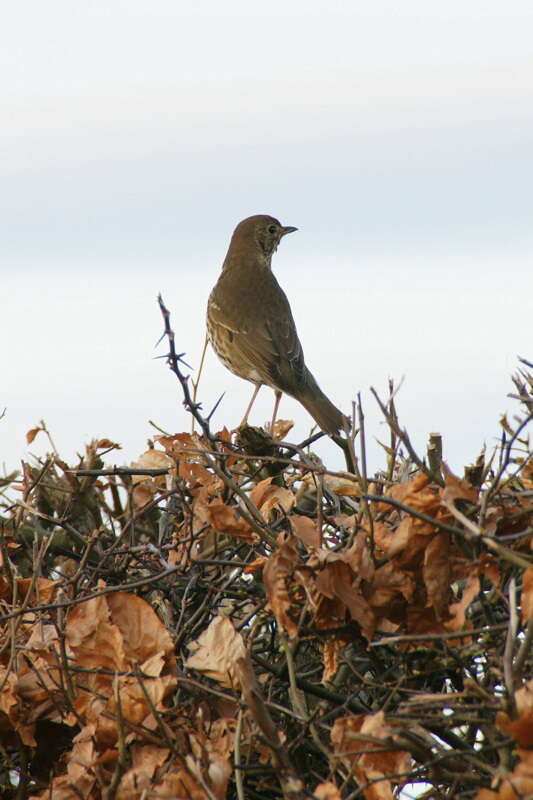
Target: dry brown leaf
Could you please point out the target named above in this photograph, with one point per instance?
(526, 474)
(224, 519)
(83, 754)
(359, 557)
(390, 586)
(277, 573)
(488, 566)
(143, 633)
(336, 580)
(521, 728)
(458, 489)
(346, 485)
(184, 446)
(436, 572)
(281, 429)
(88, 622)
(14, 706)
(527, 595)
(136, 701)
(8, 695)
(407, 540)
(516, 785)
(277, 497)
(224, 434)
(305, 529)
(217, 651)
(197, 475)
(212, 745)
(179, 784)
(255, 565)
(404, 492)
(343, 486)
(326, 791)
(221, 737)
(119, 633)
(457, 611)
(258, 493)
(152, 459)
(345, 521)
(360, 741)
(145, 760)
(143, 493)
(330, 658)
(39, 676)
(79, 780)
(42, 589)
(32, 433)
(146, 487)
(266, 497)
(421, 620)
(389, 541)
(107, 444)
(420, 496)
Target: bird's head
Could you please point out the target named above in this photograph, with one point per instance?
(263, 231)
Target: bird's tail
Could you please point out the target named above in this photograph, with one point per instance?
(325, 414)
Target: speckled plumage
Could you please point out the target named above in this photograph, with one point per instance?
(250, 323)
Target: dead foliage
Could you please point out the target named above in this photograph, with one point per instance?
(228, 619)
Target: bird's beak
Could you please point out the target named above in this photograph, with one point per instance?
(288, 229)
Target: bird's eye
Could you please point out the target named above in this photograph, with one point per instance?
(272, 229)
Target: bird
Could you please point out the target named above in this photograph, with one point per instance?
(251, 328)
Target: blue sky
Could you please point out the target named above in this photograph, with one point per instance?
(397, 137)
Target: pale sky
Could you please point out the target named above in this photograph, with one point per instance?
(135, 135)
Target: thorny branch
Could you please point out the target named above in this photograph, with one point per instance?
(243, 622)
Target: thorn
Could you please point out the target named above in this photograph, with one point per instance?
(215, 407)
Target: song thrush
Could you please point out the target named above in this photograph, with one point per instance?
(251, 328)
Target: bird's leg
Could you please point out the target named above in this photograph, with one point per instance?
(250, 404)
(275, 412)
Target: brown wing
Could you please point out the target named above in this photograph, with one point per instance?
(261, 326)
